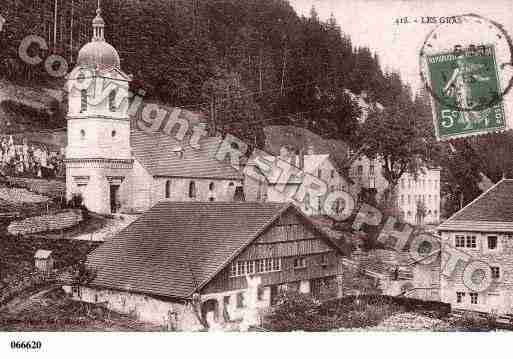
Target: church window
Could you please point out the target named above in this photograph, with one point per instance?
(192, 189)
(82, 134)
(112, 101)
(211, 186)
(307, 201)
(168, 189)
(83, 100)
(113, 133)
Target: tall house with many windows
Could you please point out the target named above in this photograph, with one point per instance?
(477, 252)
(418, 199)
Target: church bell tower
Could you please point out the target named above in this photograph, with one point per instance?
(98, 155)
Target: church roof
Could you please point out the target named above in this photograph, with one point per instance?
(161, 155)
(177, 247)
(98, 54)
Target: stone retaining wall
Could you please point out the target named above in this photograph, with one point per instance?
(46, 223)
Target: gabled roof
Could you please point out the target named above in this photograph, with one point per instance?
(162, 155)
(42, 254)
(177, 247)
(491, 211)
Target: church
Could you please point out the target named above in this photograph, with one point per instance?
(117, 167)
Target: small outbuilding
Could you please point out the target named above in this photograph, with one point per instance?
(43, 260)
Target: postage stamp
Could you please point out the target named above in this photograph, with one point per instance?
(467, 89)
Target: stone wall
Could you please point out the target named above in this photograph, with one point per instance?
(173, 315)
(46, 223)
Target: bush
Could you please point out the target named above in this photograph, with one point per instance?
(297, 311)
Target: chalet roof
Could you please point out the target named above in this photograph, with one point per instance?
(491, 211)
(42, 254)
(162, 155)
(177, 247)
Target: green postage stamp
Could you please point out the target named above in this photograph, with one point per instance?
(466, 89)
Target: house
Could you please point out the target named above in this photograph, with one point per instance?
(43, 260)
(185, 263)
(261, 184)
(398, 274)
(480, 235)
(117, 165)
(418, 199)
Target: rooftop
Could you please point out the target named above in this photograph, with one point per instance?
(177, 247)
(491, 211)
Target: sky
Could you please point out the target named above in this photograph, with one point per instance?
(372, 23)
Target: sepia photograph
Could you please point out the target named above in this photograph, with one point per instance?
(254, 168)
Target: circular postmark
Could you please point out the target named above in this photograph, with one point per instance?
(466, 67)
(462, 64)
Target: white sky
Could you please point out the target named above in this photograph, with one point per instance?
(372, 23)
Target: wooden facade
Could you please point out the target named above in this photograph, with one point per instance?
(289, 238)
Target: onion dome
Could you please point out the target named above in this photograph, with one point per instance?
(98, 53)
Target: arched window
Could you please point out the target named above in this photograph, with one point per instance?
(112, 101)
(83, 100)
(82, 134)
(307, 201)
(168, 189)
(192, 189)
(211, 186)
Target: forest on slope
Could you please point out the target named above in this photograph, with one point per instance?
(248, 64)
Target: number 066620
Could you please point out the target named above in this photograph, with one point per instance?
(26, 345)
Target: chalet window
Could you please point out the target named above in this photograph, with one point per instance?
(250, 267)
(241, 268)
(460, 241)
(299, 263)
(240, 300)
(192, 189)
(168, 189)
(233, 269)
(276, 264)
(83, 100)
(492, 242)
(496, 272)
(260, 293)
(112, 101)
(471, 242)
(459, 297)
(268, 264)
(324, 260)
(473, 298)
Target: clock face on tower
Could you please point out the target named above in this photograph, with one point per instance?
(466, 66)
